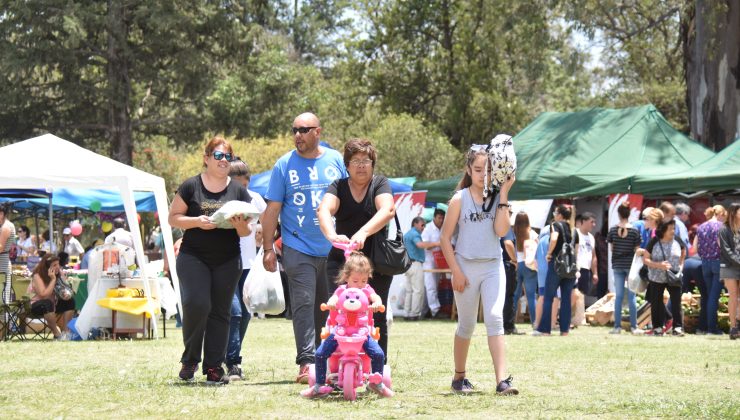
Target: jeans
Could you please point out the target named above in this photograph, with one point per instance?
(710, 272)
(527, 277)
(308, 290)
(329, 346)
(551, 289)
(206, 293)
(240, 317)
(620, 275)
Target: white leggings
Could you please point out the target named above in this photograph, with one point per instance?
(487, 283)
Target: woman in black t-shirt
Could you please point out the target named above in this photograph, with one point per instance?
(362, 205)
(209, 262)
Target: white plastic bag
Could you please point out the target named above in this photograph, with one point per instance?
(263, 290)
(635, 283)
(233, 208)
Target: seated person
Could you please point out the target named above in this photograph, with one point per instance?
(64, 308)
(43, 298)
(355, 273)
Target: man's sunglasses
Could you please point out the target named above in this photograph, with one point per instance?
(220, 155)
(302, 130)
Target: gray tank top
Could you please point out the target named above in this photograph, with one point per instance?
(476, 239)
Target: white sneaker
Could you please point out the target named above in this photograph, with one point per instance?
(616, 330)
(637, 331)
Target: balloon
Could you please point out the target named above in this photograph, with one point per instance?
(107, 227)
(76, 228)
(95, 206)
(138, 218)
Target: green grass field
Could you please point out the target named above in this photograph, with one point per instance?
(588, 374)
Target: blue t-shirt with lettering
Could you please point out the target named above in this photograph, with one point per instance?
(299, 184)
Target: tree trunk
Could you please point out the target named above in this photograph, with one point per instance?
(119, 84)
(712, 65)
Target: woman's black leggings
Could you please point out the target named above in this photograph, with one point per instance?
(207, 293)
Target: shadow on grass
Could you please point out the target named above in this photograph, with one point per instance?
(285, 382)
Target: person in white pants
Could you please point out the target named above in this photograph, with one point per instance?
(430, 235)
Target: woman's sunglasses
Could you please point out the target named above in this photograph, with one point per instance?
(220, 155)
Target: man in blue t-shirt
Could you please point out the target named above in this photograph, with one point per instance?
(298, 181)
(415, 246)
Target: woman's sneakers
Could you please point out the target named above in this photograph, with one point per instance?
(506, 387)
(316, 391)
(187, 371)
(462, 386)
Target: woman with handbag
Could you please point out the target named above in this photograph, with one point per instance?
(664, 256)
(729, 240)
(42, 288)
(361, 205)
(624, 240)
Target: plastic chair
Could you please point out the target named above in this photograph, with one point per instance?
(37, 330)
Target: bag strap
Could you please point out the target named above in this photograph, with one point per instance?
(399, 232)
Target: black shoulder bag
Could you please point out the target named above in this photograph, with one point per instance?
(389, 257)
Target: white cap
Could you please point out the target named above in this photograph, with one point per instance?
(67, 231)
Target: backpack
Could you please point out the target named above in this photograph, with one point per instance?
(565, 261)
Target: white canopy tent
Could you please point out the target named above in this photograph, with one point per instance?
(50, 162)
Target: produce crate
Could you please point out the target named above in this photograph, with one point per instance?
(643, 317)
(439, 260)
(601, 312)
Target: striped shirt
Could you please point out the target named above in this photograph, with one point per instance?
(623, 248)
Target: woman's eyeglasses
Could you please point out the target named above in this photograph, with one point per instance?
(358, 162)
(220, 155)
(302, 130)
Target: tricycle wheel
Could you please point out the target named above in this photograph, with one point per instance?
(348, 384)
(387, 376)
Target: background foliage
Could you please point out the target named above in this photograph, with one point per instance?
(147, 82)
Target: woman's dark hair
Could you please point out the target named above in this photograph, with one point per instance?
(42, 268)
(46, 235)
(355, 146)
(521, 230)
(25, 230)
(624, 210)
(63, 258)
(663, 228)
(731, 216)
(240, 168)
(564, 211)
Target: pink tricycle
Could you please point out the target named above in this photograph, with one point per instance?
(349, 367)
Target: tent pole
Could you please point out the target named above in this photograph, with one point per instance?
(51, 226)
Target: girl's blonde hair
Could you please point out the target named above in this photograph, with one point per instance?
(717, 210)
(356, 262)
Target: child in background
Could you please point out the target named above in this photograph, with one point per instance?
(354, 274)
(477, 266)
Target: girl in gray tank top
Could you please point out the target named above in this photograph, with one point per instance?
(476, 265)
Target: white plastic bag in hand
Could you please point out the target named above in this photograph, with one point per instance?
(263, 290)
(233, 208)
(635, 283)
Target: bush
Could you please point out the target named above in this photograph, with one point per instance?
(409, 147)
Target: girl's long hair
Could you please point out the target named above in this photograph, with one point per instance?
(470, 157)
(521, 230)
(42, 268)
(732, 216)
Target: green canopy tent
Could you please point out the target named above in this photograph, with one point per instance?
(719, 173)
(594, 152)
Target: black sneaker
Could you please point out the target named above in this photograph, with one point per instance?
(506, 387)
(734, 333)
(187, 371)
(462, 386)
(235, 372)
(216, 376)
